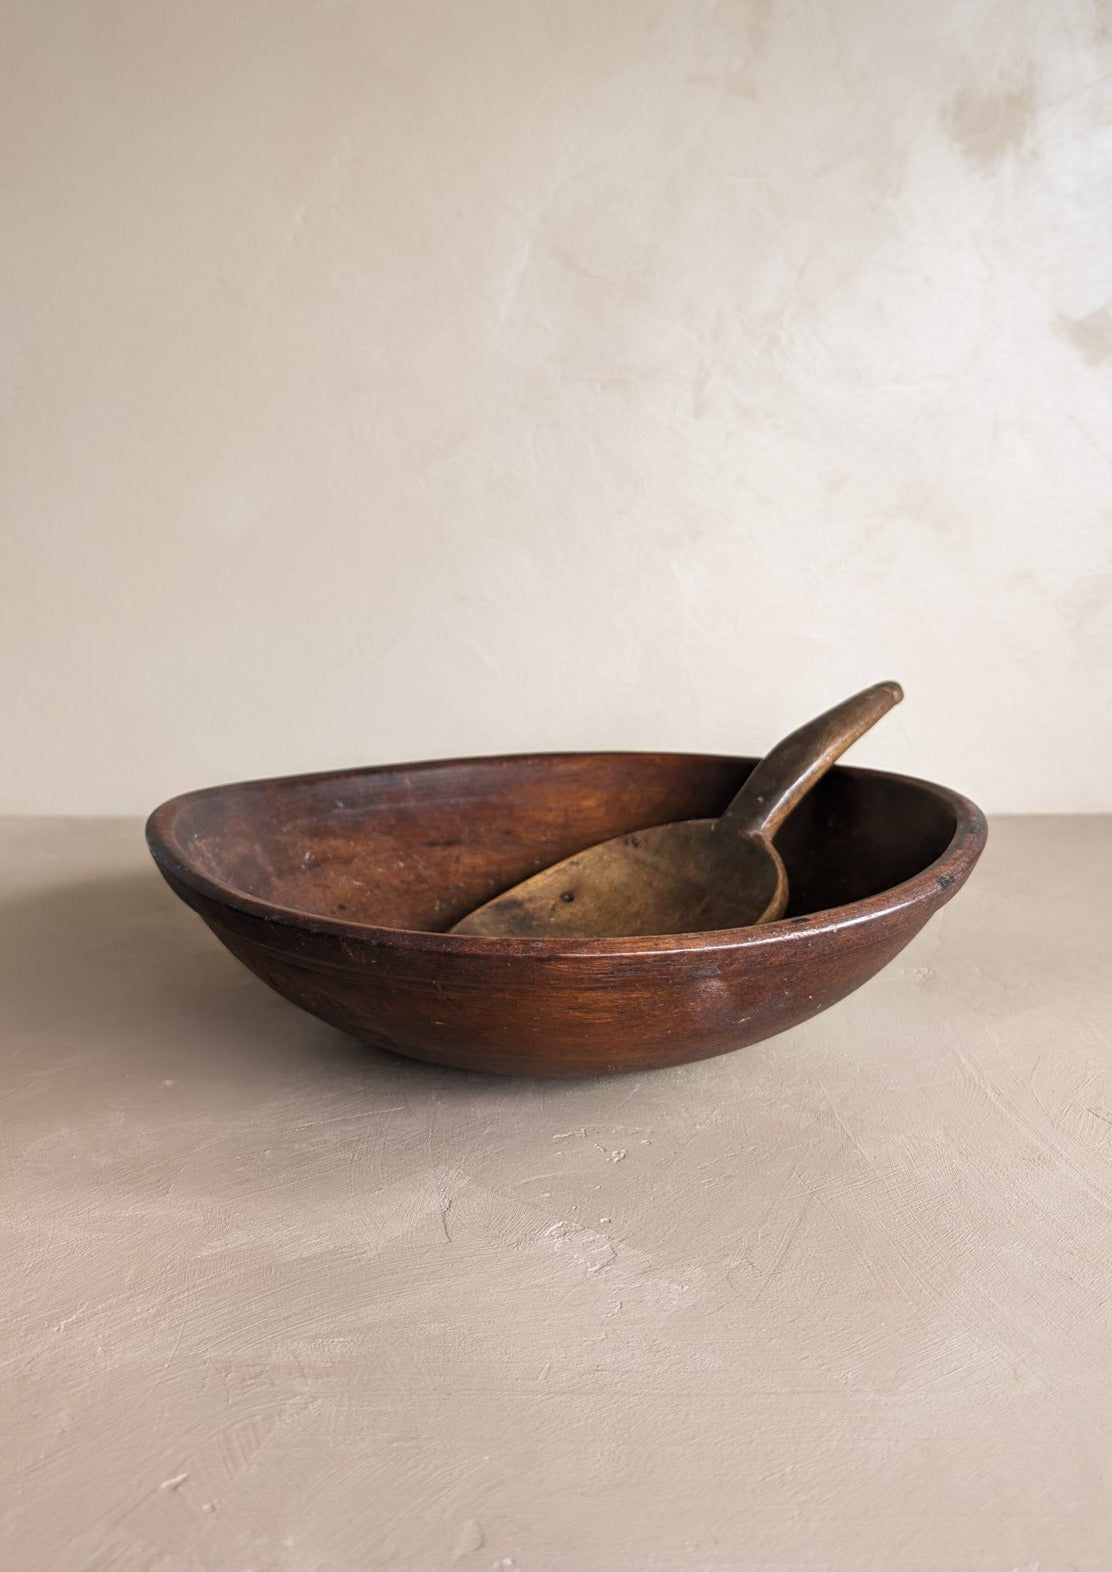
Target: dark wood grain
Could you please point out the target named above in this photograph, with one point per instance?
(337, 890)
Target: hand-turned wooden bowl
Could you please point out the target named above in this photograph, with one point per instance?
(335, 889)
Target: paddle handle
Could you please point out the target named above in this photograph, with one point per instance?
(786, 775)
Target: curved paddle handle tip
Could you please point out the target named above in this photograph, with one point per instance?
(784, 777)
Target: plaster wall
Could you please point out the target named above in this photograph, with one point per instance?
(389, 381)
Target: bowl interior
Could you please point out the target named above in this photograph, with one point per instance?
(418, 846)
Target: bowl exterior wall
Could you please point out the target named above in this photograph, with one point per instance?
(567, 1015)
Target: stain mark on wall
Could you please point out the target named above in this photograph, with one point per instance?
(1092, 335)
(988, 126)
(738, 82)
(1089, 620)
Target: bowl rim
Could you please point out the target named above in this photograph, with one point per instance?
(933, 885)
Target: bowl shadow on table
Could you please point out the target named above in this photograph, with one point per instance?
(116, 967)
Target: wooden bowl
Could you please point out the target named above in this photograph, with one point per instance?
(335, 889)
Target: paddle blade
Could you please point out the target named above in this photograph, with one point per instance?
(676, 878)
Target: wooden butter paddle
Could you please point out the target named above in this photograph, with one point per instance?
(695, 875)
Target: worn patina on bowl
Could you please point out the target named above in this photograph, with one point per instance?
(335, 889)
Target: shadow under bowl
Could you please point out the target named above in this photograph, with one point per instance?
(336, 890)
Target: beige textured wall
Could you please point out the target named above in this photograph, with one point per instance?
(386, 380)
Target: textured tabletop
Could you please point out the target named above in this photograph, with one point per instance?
(274, 1302)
